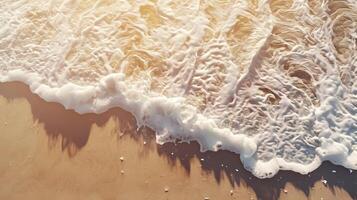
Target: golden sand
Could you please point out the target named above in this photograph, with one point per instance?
(47, 152)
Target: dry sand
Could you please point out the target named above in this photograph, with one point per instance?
(47, 152)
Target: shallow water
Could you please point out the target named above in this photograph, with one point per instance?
(274, 81)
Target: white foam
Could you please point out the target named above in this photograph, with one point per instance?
(272, 82)
(169, 117)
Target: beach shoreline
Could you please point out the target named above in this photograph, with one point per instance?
(50, 152)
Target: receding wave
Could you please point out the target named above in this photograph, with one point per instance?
(274, 81)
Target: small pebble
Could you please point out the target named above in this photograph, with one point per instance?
(285, 191)
(351, 171)
(206, 198)
(172, 153)
(231, 192)
(237, 170)
(122, 171)
(166, 189)
(324, 182)
(333, 171)
(121, 158)
(144, 142)
(202, 159)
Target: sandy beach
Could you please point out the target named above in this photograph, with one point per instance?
(47, 152)
(178, 100)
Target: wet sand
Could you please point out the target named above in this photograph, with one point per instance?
(47, 152)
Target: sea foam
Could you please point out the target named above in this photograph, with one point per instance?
(273, 81)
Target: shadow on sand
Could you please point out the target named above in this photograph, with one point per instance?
(73, 129)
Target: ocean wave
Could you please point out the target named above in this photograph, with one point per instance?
(274, 81)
